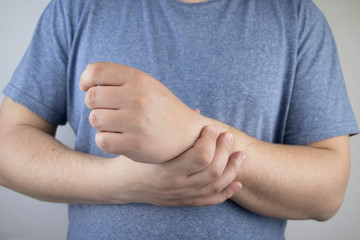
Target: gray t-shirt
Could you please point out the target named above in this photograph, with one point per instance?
(267, 67)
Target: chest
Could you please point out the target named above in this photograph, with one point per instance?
(235, 68)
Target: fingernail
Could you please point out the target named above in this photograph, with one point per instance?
(242, 158)
(230, 138)
(212, 130)
(238, 187)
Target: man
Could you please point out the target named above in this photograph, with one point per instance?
(267, 68)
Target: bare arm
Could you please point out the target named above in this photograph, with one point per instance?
(34, 163)
(293, 182)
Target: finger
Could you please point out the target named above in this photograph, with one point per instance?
(108, 120)
(113, 143)
(107, 74)
(217, 166)
(196, 158)
(217, 198)
(230, 173)
(106, 97)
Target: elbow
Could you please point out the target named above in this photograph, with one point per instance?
(330, 201)
(328, 210)
(329, 192)
(1, 162)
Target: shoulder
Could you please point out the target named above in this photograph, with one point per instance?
(306, 9)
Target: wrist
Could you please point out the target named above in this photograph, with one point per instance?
(241, 140)
(116, 180)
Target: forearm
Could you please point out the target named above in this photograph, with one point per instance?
(36, 164)
(293, 182)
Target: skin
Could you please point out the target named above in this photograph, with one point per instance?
(314, 177)
(293, 182)
(192, 164)
(34, 163)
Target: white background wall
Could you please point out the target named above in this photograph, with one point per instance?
(28, 219)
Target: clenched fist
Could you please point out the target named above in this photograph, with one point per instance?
(136, 115)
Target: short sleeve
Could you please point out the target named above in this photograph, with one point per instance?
(319, 107)
(40, 80)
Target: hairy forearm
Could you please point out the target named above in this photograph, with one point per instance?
(36, 164)
(292, 182)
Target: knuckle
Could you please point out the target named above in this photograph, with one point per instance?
(102, 142)
(95, 69)
(90, 98)
(217, 188)
(224, 141)
(140, 77)
(140, 101)
(215, 172)
(142, 123)
(204, 158)
(94, 119)
(212, 132)
(91, 75)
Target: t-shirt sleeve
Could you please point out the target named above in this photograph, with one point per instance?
(40, 80)
(319, 107)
